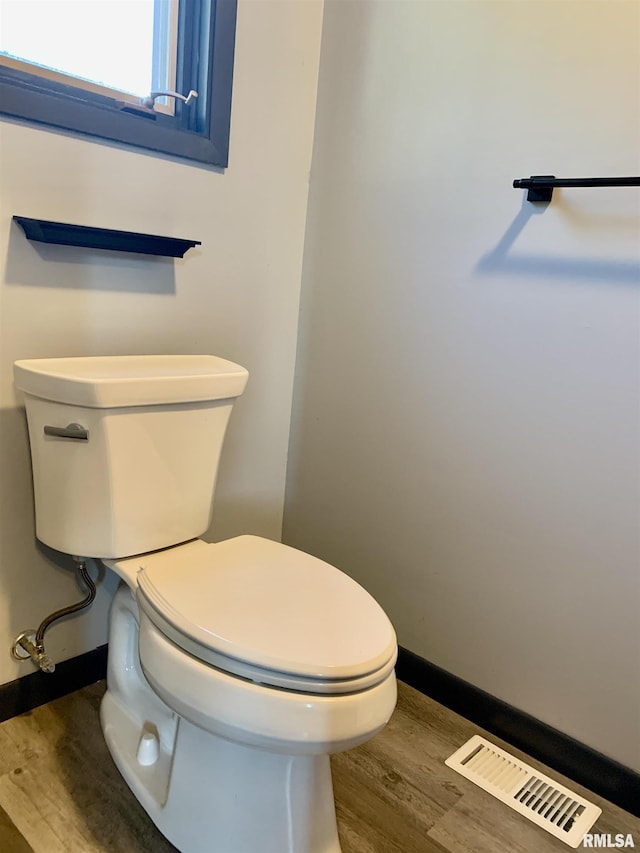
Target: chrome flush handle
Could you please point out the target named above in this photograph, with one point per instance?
(75, 431)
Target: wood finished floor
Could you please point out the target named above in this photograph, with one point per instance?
(61, 793)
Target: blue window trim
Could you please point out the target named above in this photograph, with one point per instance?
(200, 132)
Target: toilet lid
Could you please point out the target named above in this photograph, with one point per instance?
(269, 606)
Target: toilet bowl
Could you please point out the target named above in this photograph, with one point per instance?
(276, 676)
(235, 668)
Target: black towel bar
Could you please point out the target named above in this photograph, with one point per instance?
(541, 186)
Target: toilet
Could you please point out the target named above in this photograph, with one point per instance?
(235, 668)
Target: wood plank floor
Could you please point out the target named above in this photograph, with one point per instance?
(61, 793)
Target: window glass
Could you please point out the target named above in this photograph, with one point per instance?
(119, 44)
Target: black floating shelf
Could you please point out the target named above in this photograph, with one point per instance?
(103, 238)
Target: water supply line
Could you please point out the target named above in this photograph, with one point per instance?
(30, 644)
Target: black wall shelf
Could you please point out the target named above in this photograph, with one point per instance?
(64, 234)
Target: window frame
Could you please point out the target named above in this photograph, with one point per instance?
(200, 132)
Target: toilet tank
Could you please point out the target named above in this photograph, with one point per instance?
(125, 449)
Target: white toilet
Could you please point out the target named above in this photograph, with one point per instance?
(235, 668)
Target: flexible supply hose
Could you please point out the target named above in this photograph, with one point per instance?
(43, 657)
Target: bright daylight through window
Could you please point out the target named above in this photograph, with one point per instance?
(90, 66)
(82, 37)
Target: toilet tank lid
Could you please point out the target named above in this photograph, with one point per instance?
(103, 382)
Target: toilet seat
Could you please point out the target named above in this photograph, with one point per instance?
(268, 613)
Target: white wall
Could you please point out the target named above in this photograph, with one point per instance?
(236, 296)
(465, 438)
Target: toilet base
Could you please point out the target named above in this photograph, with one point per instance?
(211, 795)
(205, 793)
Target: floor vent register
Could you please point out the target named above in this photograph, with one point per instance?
(534, 795)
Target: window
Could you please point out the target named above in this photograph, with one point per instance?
(95, 68)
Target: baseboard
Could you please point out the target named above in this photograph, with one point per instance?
(602, 775)
(38, 688)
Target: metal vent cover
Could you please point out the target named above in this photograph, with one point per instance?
(548, 804)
